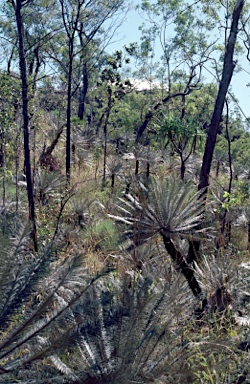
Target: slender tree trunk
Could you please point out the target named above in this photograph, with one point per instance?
(2, 162)
(70, 28)
(137, 163)
(148, 170)
(46, 154)
(83, 91)
(248, 235)
(17, 156)
(183, 168)
(227, 73)
(68, 123)
(2, 149)
(112, 181)
(224, 223)
(185, 268)
(25, 101)
(105, 131)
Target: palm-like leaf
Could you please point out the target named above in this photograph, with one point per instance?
(16, 272)
(46, 184)
(171, 208)
(10, 218)
(226, 284)
(126, 332)
(36, 295)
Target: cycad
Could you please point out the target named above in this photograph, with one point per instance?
(113, 168)
(126, 331)
(218, 277)
(36, 293)
(15, 275)
(226, 284)
(172, 209)
(47, 184)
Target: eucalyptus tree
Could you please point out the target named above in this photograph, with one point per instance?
(178, 30)
(229, 65)
(182, 127)
(183, 137)
(114, 90)
(82, 22)
(27, 27)
(196, 51)
(191, 46)
(39, 24)
(18, 6)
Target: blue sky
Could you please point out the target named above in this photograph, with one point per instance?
(129, 32)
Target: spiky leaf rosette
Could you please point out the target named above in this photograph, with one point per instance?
(226, 283)
(171, 207)
(47, 184)
(129, 330)
(36, 295)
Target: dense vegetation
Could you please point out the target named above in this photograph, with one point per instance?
(125, 195)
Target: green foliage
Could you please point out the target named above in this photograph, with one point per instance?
(183, 134)
(239, 142)
(103, 236)
(238, 198)
(49, 98)
(9, 105)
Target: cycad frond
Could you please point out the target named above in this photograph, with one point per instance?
(17, 270)
(46, 184)
(37, 293)
(171, 207)
(226, 284)
(127, 331)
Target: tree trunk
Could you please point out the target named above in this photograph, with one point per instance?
(105, 131)
(186, 269)
(46, 154)
(25, 101)
(248, 235)
(183, 168)
(112, 181)
(2, 149)
(137, 163)
(68, 123)
(227, 73)
(83, 91)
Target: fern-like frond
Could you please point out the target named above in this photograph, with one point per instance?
(37, 293)
(127, 330)
(16, 272)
